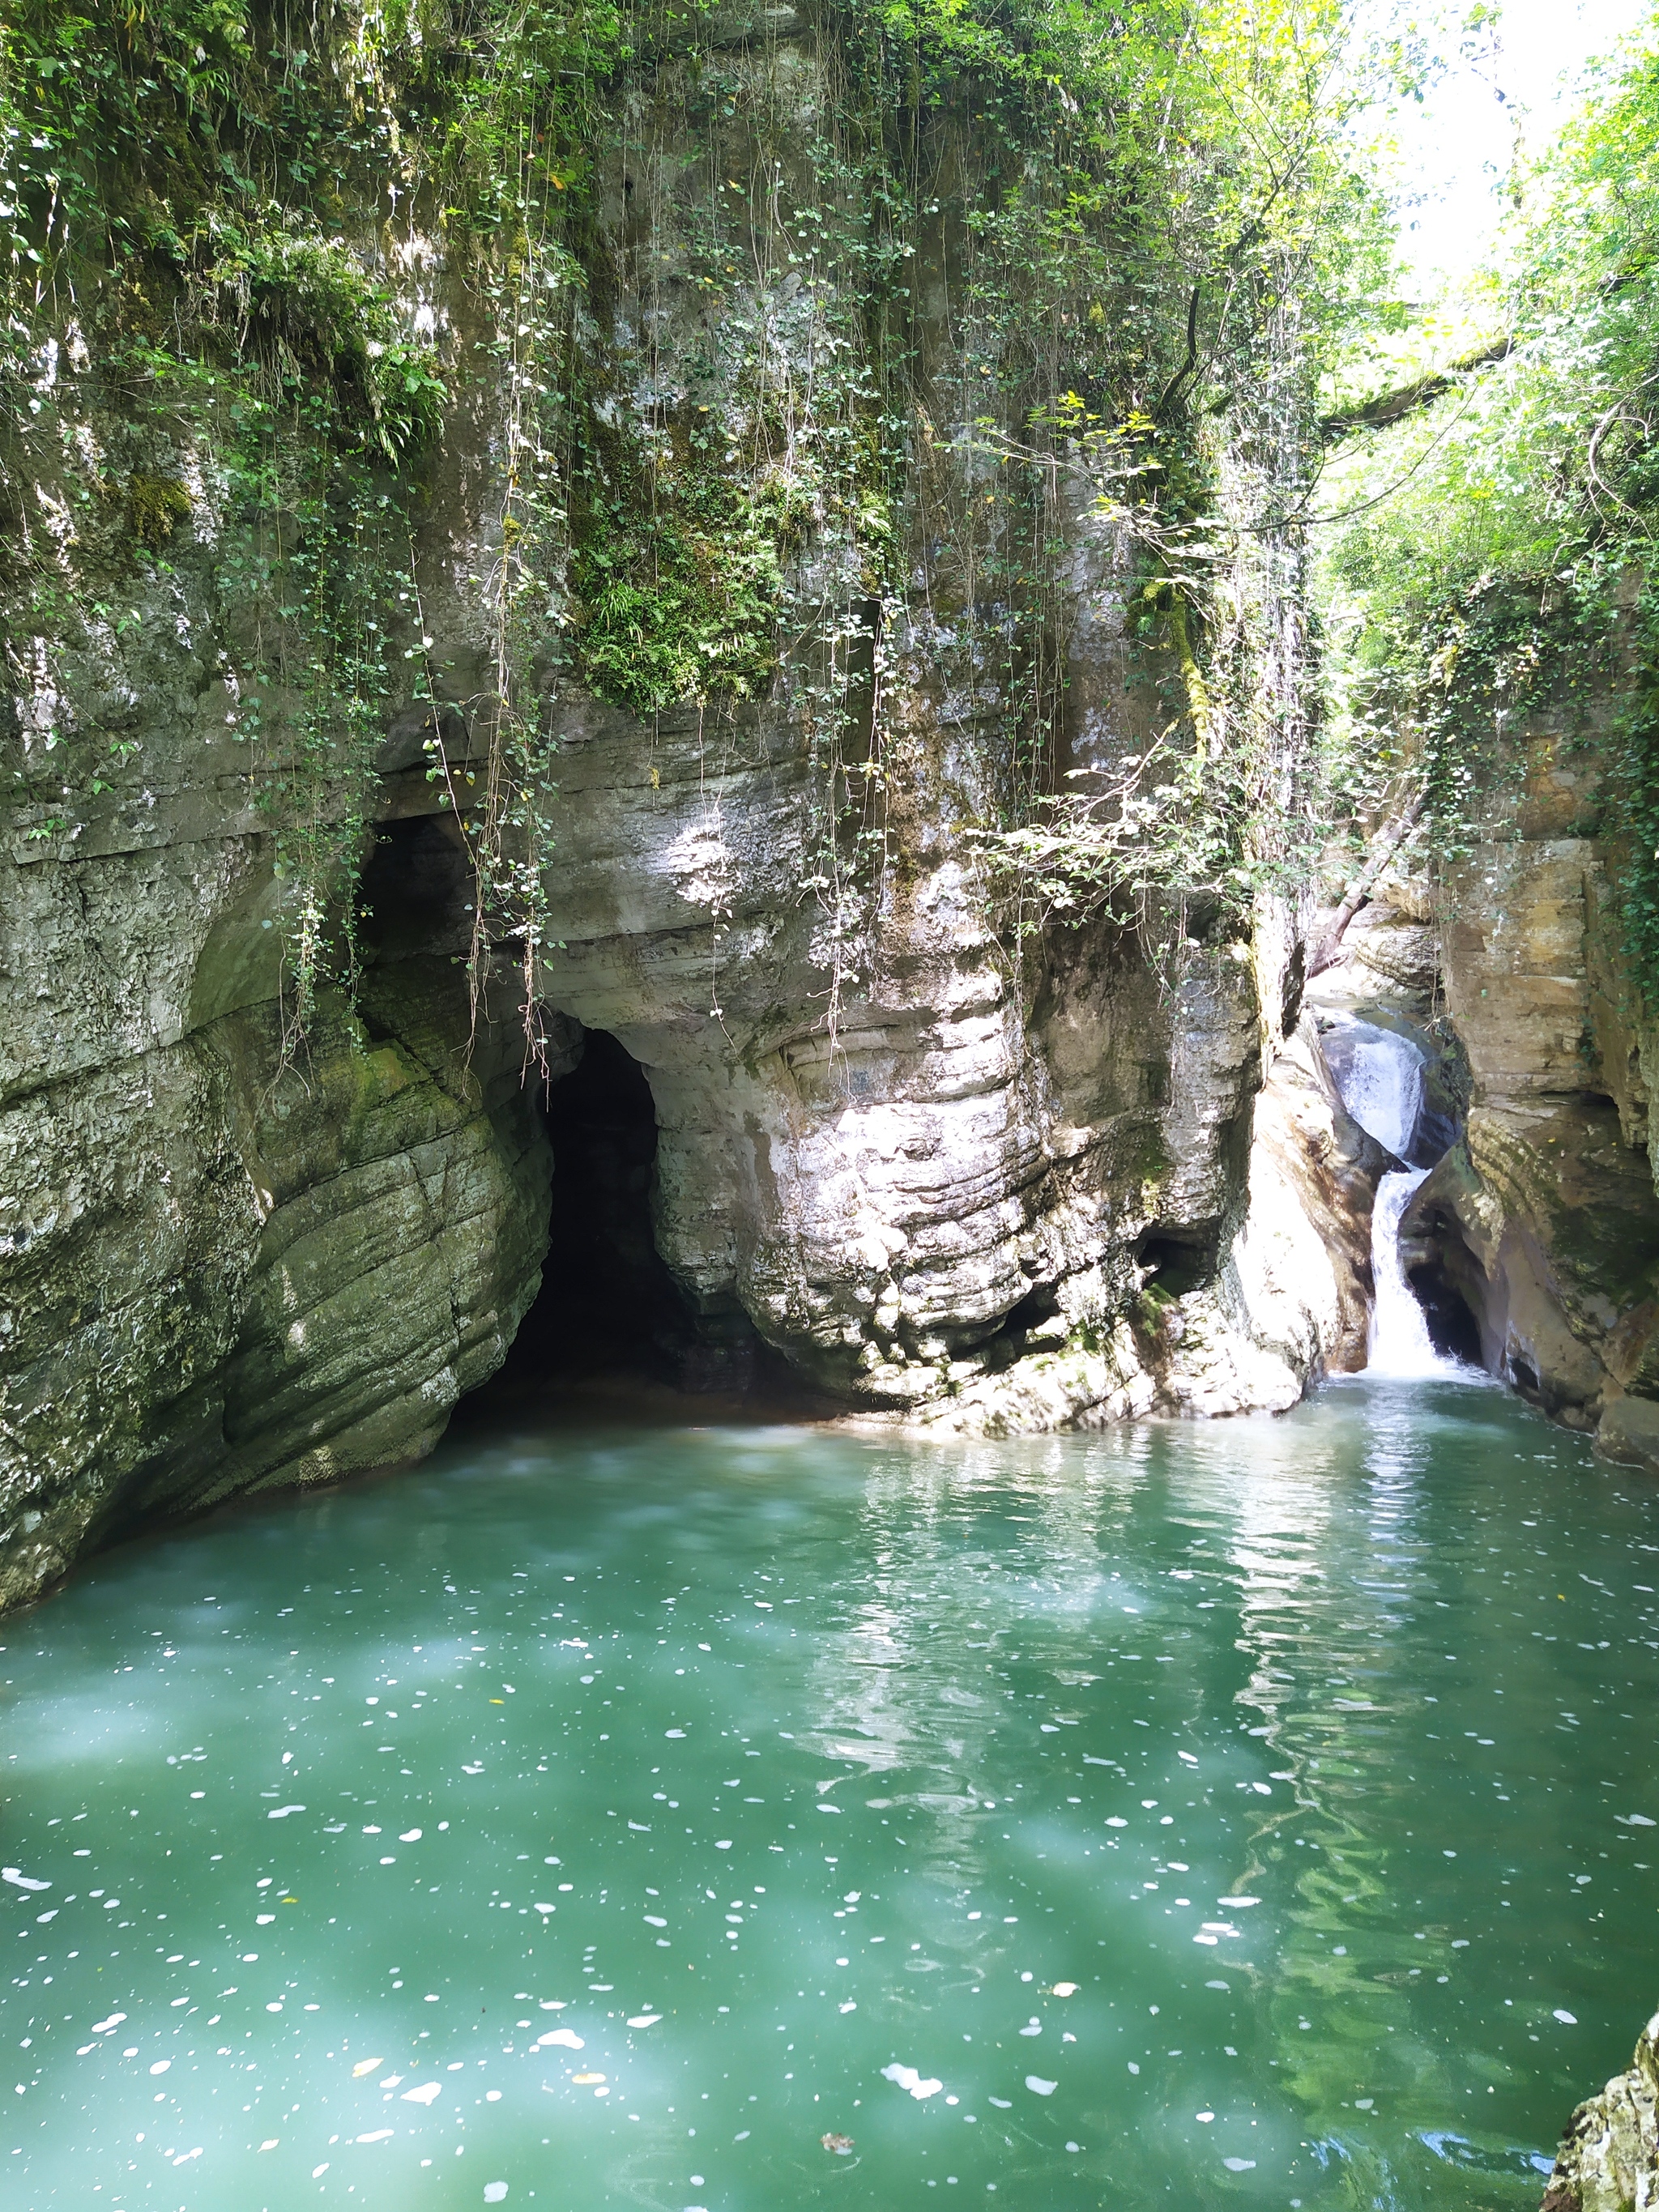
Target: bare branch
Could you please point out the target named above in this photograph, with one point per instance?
(1383, 846)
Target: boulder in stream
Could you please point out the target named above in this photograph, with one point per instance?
(1608, 2161)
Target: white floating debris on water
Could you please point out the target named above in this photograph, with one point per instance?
(905, 2077)
(1567, 2019)
(21, 1881)
(584, 1803)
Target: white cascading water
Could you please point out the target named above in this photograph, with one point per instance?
(1400, 1343)
(1382, 1088)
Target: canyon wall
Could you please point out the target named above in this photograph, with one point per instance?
(265, 1219)
(1542, 1223)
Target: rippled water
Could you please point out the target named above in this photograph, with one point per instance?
(1227, 1815)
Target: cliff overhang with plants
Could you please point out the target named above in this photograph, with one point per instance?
(772, 536)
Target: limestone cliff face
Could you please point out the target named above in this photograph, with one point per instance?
(1544, 1221)
(221, 1270)
(948, 1168)
(956, 1197)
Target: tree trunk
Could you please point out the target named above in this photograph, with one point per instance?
(1386, 843)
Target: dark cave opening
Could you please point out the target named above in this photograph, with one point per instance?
(416, 892)
(609, 1318)
(1454, 1331)
(610, 1315)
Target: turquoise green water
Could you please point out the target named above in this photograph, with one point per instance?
(1208, 1815)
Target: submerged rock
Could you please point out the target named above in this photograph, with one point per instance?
(1608, 2161)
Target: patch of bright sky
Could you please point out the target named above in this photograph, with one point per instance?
(1453, 156)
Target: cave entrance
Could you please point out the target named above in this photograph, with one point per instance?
(610, 1315)
(608, 1306)
(1454, 1329)
(1180, 1257)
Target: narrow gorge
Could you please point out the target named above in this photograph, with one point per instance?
(797, 816)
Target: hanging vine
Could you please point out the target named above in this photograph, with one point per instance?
(812, 423)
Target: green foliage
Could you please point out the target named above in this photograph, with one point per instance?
(1510, 550)
(1035, 270)
(164, 175)
(679, 564)
(1193, 245)
(304, 310)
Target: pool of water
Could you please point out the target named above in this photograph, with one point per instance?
(1258, 1813)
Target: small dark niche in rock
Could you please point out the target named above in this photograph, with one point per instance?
(1524, 1377)
(1448, 1281)
(1176, 1260)
(416, 890)
(1012, 1337)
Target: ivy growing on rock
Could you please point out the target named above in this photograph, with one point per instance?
(801, 362)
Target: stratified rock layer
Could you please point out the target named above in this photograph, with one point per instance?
(1545, 1220)
(951, 1168)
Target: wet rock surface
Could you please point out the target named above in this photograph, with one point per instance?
(944, 1167)
(1543, 1223)
(1608, 2161)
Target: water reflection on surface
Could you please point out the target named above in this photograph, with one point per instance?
(1257, 1812)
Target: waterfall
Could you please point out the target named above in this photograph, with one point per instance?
(1382, 1086)
(1380, 1077)
(1400, 1343)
